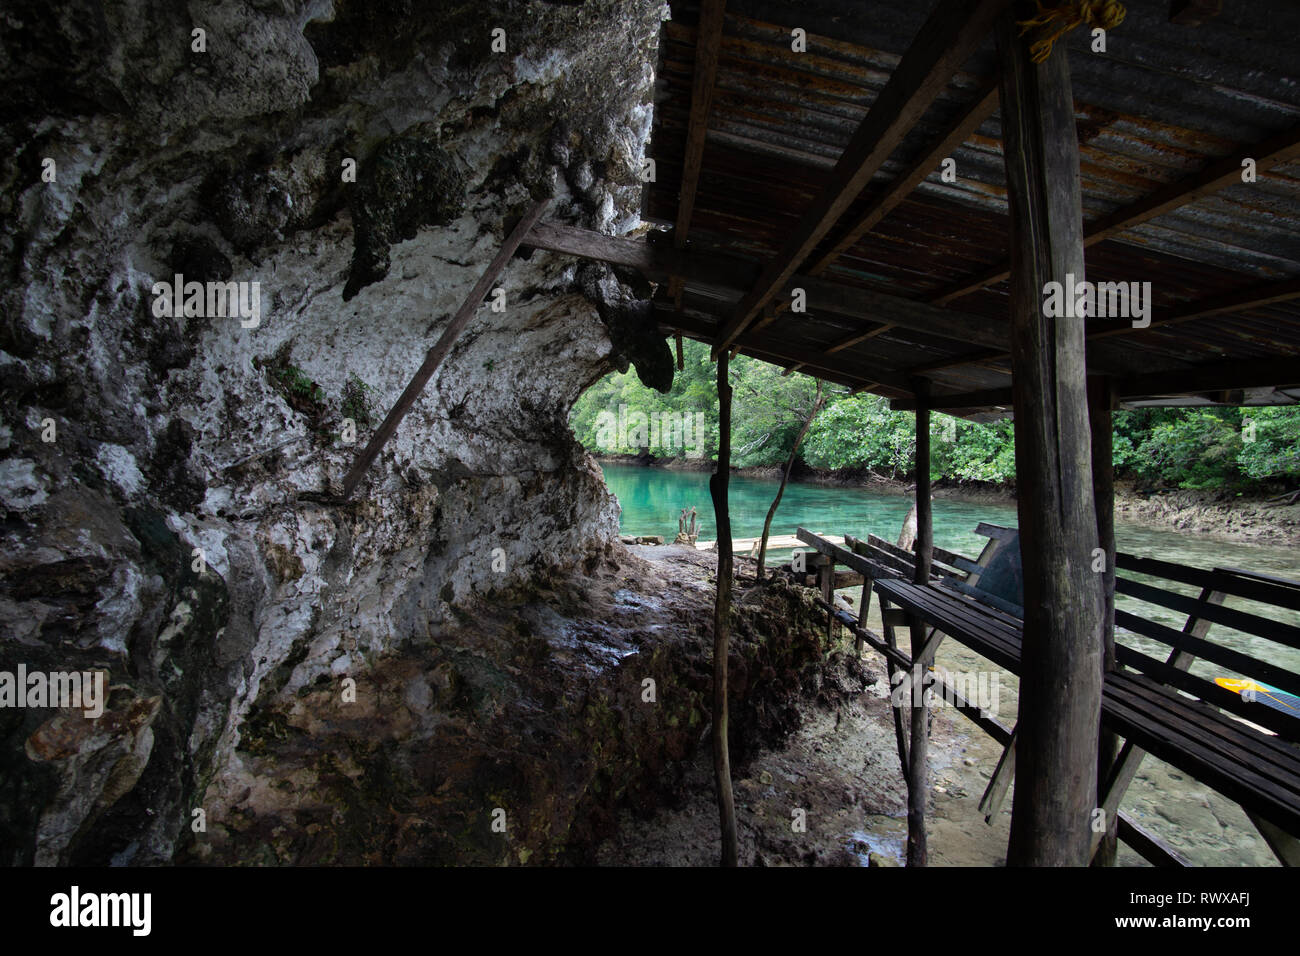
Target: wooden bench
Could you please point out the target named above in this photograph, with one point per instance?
(1245, 750)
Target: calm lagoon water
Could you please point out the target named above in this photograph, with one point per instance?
(652, 499)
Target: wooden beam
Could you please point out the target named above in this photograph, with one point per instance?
(1061, 682)
(651, 261)
(658, 262)
(1212, 376)
(783, 353)
(1256, 296)
(704, 332)
(440, 348)
(708, 41)
(837, 297)
(864, 566)
(953, 31)
(1150, 847)
(957, 133)
(853, 340)
(1227, 376)
(984, 398)
(1216, 176)
(770, 312)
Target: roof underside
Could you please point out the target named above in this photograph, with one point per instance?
(1163, 104)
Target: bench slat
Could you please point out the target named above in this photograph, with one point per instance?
(1244, 584)
(999, 644)
(953, 559)
(1271, 630)
(1277, 783)
(1276, 721)
(1265, 588)
(1231, 737)
(1253, 791)
(879, 545)
(985, 597)
(1233, 660)
(1259, 771)
(864, 566)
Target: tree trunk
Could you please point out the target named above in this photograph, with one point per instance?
(789, 465)
(722, 621)
(1060, 673)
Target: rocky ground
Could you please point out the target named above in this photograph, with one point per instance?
(1221, 515)
(840, 766)
(542, 712)
(168, 469)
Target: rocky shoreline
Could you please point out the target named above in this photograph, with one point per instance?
(1219, 514)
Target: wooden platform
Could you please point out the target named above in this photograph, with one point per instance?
(1245, 751)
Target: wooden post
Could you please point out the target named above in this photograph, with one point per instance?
(440, 348)
(1060, 683)
(722, 621)
(924, 544)
(1100, 402)
(917, 778)
(826, 581)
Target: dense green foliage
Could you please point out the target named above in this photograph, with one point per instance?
(1185, 448)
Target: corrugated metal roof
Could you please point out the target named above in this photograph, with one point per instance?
(1163, 102)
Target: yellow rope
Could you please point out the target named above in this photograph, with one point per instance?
(1053, 23)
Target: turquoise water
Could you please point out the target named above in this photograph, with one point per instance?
(652, 499)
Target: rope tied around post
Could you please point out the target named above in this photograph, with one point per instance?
(1052, 23)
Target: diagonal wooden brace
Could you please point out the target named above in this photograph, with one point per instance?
(440, 348)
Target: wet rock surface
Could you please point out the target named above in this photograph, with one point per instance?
(516, 733)
(163, 471)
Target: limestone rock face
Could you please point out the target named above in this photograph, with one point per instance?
(164, 470)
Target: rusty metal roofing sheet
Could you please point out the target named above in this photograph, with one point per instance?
(1163, 102)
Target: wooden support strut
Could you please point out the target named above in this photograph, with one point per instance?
(440, 348)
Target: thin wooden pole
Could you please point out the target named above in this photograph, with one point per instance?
(924, 545)
(722, 621)
(917, 782)
(440, 348)
(785, 478)
(1060, 680)
(1100, 402)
